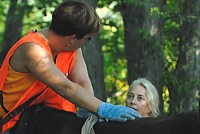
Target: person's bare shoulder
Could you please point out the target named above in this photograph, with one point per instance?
(27, 56)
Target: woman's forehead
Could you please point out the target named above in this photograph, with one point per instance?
(138, 89)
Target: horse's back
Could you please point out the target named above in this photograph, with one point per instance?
(187, 123)
(60, 122)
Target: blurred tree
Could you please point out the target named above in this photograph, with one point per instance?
(93, 57)
(115, 69)
(14, 24)
(183, 80)
(152, 34)
(143, 40)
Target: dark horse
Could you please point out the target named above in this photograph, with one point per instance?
(51, 121)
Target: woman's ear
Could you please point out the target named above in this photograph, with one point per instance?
(149, 111)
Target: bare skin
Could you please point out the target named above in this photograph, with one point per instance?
(32, 58)
(137, 99)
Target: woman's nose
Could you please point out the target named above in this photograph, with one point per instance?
(133, 100)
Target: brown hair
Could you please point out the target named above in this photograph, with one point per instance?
(73, 17)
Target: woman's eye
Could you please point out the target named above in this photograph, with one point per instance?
(130, 96)
(140, 98)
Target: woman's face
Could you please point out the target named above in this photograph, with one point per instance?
(137, 99)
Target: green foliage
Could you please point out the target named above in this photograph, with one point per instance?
(172, 22)
(128, 2)
(166, 100)
(114, 57)
(38, 14)
(155, 12)
(4, 5)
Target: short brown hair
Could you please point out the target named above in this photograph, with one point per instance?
(73, 17)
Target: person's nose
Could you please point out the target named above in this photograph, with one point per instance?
(133, 100)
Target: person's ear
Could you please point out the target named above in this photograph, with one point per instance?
(71, 40)
(149, 111)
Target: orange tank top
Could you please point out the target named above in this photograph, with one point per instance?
(25, 86)
(15, 85)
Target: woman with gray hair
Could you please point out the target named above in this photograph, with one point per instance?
(143, 97)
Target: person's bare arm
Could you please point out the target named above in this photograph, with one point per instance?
(79, 73)
(33, 58)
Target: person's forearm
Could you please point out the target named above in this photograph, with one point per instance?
(81, 97)
(88, 87)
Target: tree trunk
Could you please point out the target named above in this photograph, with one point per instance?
(143, 41)
(94, 60)
(185, 98)
(153, 47)
(133, 22)
(14, 22)
(194, 60)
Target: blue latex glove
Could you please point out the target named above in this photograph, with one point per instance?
(83, 113)
(119, 113)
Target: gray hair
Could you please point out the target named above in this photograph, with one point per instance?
(152, 95)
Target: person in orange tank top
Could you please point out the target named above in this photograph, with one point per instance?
(52, 58)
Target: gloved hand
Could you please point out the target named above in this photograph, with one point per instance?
(83, 113)
(119, 113)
